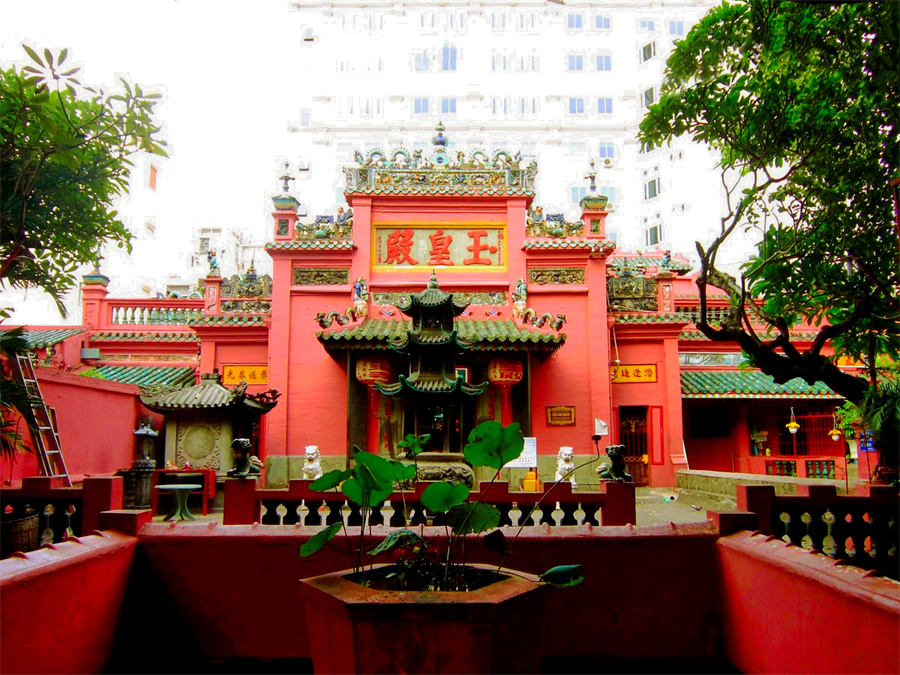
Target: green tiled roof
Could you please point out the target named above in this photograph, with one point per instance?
(312, 245)
(484, 334)
(38, 339)
(229, 320)
(692, 334)
(143, 337)
(747, 384)
(652, 317)
(678, 263)
(438, 190)
(144, 376)
(576, 244)
(208, 394)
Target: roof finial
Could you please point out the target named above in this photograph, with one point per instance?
(592, 176)
(286, 177)
(439, 140)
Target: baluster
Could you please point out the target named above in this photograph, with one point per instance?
(527, 514)
(375, 515)
(829, 546)
(568, 517)
(354, 518)
(590, 513)
(335, 512)
(271, 517)
(547, 513)
(398, 516)
(291, 515)
(313, 517)
(807, 541)
(47, 536)
(504, 510)
(154, 315)
(417, 513)
(832, 470)
(793, 468)
(770, 469)
(179, 316)
(786, 521)
(69, 512)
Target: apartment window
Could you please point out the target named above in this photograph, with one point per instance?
(500, 105)
(648, 51)
(421, 61)
(574, 21)
(654, 234)
(651, 188)
(448, 105)
(649, 97)
(607, 150)
(420, 106)
(151, 179)
(498, 22)
(204, 245)
(576, 62)
(648, 24)
(576, 105)
(448, 58)
(604, 62)
(604, 106)
(308, 35)
(676, 28)
(601, 22)
(576, 194)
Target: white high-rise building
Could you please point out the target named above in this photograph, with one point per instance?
(564, 84)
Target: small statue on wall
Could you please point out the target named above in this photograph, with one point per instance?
(312, 468)
(616, 469)
(535, 221)
(565, 463)
(213, 263)
(361, 297)
(520, 298)
(344, 221)
(245, 464)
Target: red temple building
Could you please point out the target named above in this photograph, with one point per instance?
(552, 327)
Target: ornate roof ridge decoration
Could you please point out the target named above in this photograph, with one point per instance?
(431, 297)
(210, 394)
(312, 245)
(349, 316)
(144, 336)
(482, 334)
(247, 285)
(231, 320)
(401, 172)
(629, 316)
(650, 264)
(570, 243)
(529, 316)
(748, 383)
(694, 333)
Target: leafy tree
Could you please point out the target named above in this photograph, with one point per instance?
(801, 100)
(63, 163)
(15, 400)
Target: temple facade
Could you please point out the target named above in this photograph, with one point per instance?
(441, 297)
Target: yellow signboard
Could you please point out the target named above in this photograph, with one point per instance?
(451, 246)
(251, 373)
(561, 415)
(634, 373)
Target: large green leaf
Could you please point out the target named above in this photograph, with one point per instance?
(473, 518)
(403, 471)
(373, 472)
(397, 539)
(441, 497)
(353, 491)
(318, 540)
(562, 576)
(330, 480)
(493, 445)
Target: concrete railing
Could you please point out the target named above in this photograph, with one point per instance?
(245, 503)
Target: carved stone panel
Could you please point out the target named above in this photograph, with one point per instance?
(556, 275)
(632, 293)
(312, 276)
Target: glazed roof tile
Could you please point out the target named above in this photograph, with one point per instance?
(143, 336)
(693, 334)
(210, 393)
(312, 245)
(571, 243)
(238, 320)
(473, 190)
(483, 334)
(144, 376)
(651, 317)
(743, 384)
(38, 339)
(678, 264)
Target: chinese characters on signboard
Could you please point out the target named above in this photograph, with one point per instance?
(466, 247)
(561, 415)
(248, 372)
(628, 372)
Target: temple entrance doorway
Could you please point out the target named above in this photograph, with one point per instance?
(633, 433)
(447, 424)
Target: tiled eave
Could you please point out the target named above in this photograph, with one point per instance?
(230, 321)
(312, 245)
(144, 376)
(41, 339)
(650, 318)
(748, 384)
(438, 190)
(144, 337)
(570, 244)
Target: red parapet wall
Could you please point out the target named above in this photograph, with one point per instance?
(62, 604)
(785, 610)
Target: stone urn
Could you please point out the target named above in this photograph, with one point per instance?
(450, 466)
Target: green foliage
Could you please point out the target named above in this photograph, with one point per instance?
(15, 401)
(397, 539)
(493, 445)
(413, 444)
(64, 161)
(442, 496)
(473, 518)
(317, 542)
(330, 480)
(801, 100)
(563, 576)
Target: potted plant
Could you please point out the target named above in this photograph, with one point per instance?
(429, 611)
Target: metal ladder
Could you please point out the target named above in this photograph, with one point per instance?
(46, 439)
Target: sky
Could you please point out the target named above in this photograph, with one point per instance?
(219, 64)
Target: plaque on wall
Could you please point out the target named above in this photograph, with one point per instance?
(561, 416)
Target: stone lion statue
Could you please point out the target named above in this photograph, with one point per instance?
(565, 462)
(312, 469)
(615, 470)
(245, 464)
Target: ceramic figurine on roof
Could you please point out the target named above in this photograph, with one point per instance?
(213, 263)
(344, 220)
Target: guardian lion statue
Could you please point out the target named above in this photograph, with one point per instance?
(615, 470)
(312, 469)
(565, 462)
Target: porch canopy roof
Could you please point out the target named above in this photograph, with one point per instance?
(210, 394)
(488, 335)
(748, 384)
(144, 376)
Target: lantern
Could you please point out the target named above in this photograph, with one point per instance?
(835, 433)
(505, 371)
(792, 426)
(373, 370)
